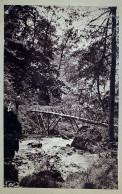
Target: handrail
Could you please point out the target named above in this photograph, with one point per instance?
(70, 116)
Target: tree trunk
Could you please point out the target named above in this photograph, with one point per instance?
(112, 76)
(99, 95)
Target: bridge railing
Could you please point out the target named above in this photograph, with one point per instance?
(61, 110)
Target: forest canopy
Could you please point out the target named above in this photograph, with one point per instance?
(62, 56)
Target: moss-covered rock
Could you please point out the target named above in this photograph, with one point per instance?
(43, 179)
(80, 143)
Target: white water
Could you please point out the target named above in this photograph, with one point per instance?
(69, 160)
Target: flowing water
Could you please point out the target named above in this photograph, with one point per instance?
(55, 153)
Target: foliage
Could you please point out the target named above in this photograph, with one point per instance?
(59, 55)
(28, 53)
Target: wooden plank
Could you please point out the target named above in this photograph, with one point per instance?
(76, 124)
(43, 123)
(38, 121)
(72, 124)
(56, 124)
(73, 117)
(44, 120)
(48, 123)
(52, 122)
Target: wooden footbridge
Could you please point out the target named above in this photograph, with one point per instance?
(51, 116)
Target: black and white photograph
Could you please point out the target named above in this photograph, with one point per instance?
(61, 96)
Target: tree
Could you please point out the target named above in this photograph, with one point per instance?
(29, 52)
(99, 62)
(68, 47)
(112, 76)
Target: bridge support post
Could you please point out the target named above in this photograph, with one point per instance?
(56, 124)
(48, 123)
(76, 125)
(43, 124)
(72, 124)
(38, 121)
(52, 122)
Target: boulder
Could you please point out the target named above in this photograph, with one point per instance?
(74, 150)
(67, 145)
(54, 132)
(80, 143)
(87, 141)
(43, 179)
(89, 186)
(69, 153)
(70, 135)
(65, 137)
(35, 145)
(29, 144)
(83, 128)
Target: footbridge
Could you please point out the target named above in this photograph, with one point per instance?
(50, 116)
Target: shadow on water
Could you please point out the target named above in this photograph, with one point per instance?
(12, 133)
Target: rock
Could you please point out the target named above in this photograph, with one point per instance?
(29, 144)
(80, 152)
(80, 143)
(89, 186)
(87, 140)
(70, 153)
(65, 137)
(36, 145)
(57, 176)
(56, 156)
(54, 132)
(74, 165)
(62, 148)
(55, 146)
(91, 150)
(43, 179)
(74, 149)
(67, 145)
(83, 128)
(70, 136)
(24, 162)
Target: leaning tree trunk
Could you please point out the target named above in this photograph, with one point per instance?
(112, 76)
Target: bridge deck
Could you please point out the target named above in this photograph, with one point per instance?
(70, 116)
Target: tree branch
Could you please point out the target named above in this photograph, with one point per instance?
(98, 17)
(48, 26)
(62, 51)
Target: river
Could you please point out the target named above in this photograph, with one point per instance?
(55, 153)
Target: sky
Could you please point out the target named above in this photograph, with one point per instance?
(63, 13)
(79, 22)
